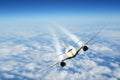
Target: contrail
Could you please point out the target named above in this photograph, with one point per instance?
(57, 44)
(71, 35)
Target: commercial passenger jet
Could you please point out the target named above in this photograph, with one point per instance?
(72, 52)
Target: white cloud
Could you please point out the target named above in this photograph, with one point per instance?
(19, 48)
(27, 74)
(104, 49)
(8, 65)
(113, 78)
(114, 64)
(111, 35)
(98, 59)
(9, 49)
(100, 47)
(100, 70)
(8, 75)
(30, 66)
(116, 73)
(36, 45)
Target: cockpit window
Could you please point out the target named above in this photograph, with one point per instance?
(69, 50)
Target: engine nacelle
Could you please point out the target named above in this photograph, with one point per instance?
(62, 64)
(85, 48)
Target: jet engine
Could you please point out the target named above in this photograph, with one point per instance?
(62, 64)
(85, 48)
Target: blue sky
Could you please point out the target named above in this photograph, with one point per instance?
(16, 12)
(56, 8)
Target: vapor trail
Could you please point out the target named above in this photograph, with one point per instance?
(57, 44)
(70, 35)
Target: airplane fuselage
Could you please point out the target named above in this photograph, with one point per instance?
(71, 52)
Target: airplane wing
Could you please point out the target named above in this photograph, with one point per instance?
(94, 35)
(49, 67)
(91, 37)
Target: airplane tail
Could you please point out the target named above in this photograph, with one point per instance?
(65, 44)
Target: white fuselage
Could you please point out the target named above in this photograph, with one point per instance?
(70, 51)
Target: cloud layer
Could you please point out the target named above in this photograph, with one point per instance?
(25, 57)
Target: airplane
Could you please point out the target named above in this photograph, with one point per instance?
(72, 52)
